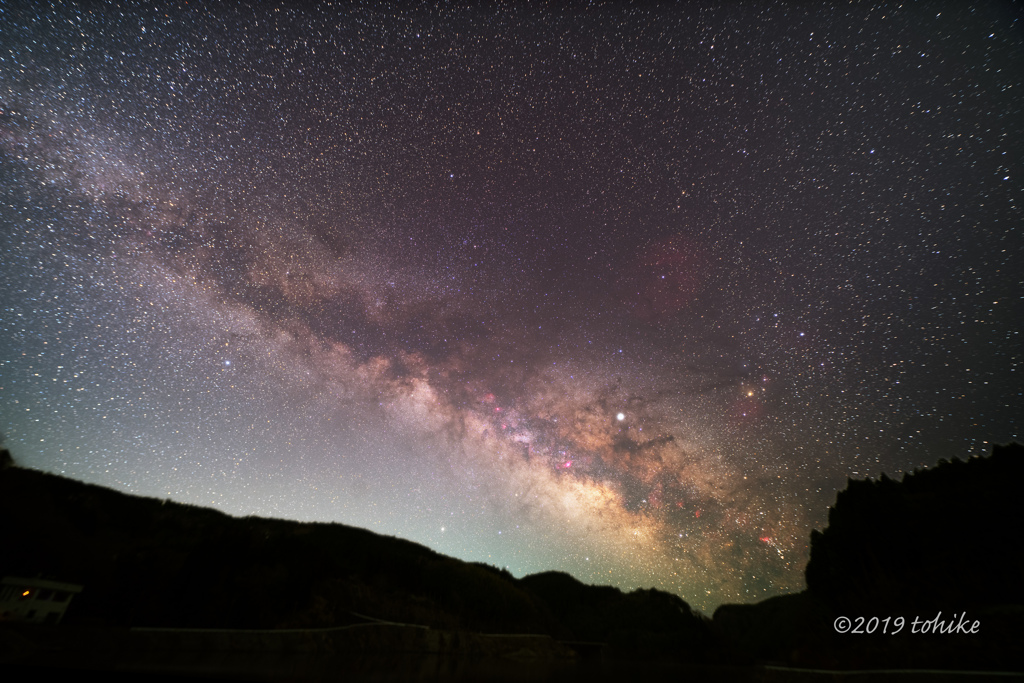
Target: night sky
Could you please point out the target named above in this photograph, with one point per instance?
(627, 291)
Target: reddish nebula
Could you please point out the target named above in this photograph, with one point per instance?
(662, 279)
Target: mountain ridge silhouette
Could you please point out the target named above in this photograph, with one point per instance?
(888, 550)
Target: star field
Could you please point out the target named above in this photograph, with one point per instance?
(624, 290)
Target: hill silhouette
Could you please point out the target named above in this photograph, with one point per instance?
(156, 563)
(641, 623)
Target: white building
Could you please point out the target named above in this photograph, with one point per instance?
(35, 600)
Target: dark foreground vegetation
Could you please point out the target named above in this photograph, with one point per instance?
(943, 539)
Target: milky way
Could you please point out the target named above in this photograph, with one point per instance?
(625, 291)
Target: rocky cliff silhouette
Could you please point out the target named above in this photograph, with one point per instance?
(942, 540)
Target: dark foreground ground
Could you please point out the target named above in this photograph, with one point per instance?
(29, 653)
